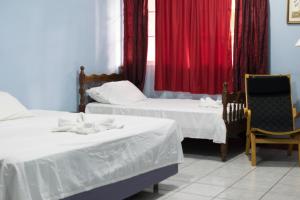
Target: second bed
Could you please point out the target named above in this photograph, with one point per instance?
(214, 123)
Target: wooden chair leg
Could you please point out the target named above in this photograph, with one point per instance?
(224, 151)
(247, 145)
(290, 149)
(253, 150)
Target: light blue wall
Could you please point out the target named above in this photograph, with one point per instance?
(43, 43)
(285, 57)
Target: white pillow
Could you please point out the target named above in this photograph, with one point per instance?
(117, 93)
(11, 108)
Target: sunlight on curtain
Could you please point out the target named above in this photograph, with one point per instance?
(150, 71)
(151, 32)
(232, 25)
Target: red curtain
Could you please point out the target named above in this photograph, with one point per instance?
(193, 45)
(251, 40)
(135, 40)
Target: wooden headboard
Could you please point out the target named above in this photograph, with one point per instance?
(89, 81)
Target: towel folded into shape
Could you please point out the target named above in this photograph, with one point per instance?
(210, 103)
(82, 125)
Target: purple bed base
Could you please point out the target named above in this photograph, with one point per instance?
(128, 187)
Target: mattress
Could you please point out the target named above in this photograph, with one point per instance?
(194, 121)
(36, 163)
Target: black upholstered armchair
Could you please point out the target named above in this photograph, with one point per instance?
(270, 113)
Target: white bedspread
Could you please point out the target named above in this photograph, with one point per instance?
(37, 164)
(195, 121)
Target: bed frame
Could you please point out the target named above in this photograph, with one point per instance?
(233, 116)
(128, 187)
(233, 103)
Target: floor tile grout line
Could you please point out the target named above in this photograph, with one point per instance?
(195, 181)
(209, 173)
(212, 197)
(221, 166)
(284, 175)
(188, 165)
(194, 161)
(225, 164)
(230, 186)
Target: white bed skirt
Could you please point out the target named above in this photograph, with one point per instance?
(194, 121)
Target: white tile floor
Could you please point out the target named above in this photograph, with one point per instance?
(276, 177)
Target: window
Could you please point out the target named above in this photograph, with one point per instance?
(151, 32)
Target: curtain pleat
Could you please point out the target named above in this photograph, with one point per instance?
(135, 41)
(193, 45)
(251, 40)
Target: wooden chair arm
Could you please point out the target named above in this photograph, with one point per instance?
(275, 133)
(249, 129)
(248, 117)
(295, 113)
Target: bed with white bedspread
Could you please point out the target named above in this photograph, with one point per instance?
(216, 121)
(39, 164)
(194, 120)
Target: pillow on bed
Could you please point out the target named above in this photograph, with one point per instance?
(11, 108)
(118, 93)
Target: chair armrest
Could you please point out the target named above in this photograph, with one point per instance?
(295, 113)
(275, 133)
(248, 117)
(247, 112)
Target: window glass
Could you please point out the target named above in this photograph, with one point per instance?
(151, 31)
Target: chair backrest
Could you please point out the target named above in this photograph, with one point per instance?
(269, 99)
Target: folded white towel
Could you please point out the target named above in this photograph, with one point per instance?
(210, 103)
(81, 125)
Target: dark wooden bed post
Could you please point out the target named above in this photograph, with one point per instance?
(81, 106)
(224, 147)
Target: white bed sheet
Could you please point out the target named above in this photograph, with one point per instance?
(194, 121)
(36, 163)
